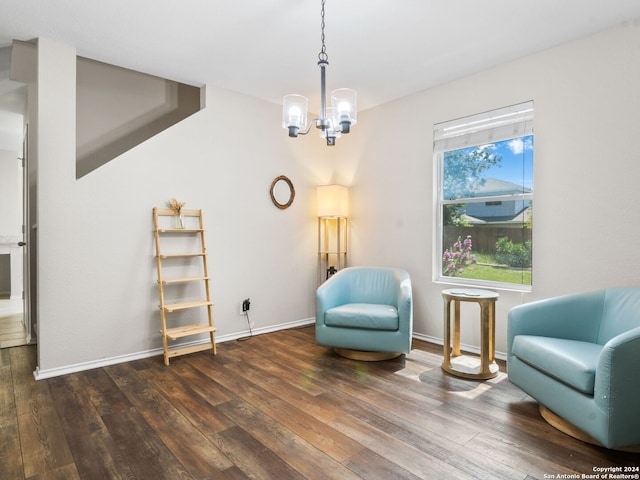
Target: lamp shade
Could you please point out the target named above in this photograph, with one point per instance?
(333, 201)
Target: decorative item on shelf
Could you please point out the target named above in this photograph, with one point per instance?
(333, 210)
(334, 120)
(178, 219)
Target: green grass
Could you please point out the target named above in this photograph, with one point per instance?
(484, 270)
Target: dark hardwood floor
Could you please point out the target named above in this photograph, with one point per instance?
(278, 407)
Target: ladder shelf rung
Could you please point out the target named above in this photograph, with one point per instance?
(175, 351)
(184, 305)
(167, 281)
(180, 230)
(169, 212)
(186, 330)
(182, 255)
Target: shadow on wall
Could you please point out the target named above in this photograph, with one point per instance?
(117, 109)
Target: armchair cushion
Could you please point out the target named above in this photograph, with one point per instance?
(363, 315)
(570, 361)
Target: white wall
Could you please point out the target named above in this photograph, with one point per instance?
(586, 166)
(98, 298)
(98, 293)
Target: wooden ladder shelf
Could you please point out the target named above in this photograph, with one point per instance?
(161, 218)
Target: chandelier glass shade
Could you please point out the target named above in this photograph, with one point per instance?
(294, 113)
(334, 120)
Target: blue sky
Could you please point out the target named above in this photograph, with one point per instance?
(517, 161)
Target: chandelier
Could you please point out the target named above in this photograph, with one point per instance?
(334, 120)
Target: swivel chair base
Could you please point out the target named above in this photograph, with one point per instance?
(573, 431)
(365, 356)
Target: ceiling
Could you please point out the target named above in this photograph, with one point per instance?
(383, 49)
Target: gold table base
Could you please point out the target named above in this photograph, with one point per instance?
(469, 366)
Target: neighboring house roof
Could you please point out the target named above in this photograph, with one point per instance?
(493, 186)
(490, 187)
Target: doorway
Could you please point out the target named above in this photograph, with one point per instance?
(14, 322)
(13, 331)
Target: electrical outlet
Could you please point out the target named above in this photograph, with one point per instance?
(246, 305)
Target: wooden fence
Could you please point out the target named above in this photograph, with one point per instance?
(484, 238)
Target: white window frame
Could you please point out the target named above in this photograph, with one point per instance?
(494, 126)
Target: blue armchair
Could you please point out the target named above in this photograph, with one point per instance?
(578, 356)
(366, 313)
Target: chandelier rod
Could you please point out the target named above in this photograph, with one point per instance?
(323, 61)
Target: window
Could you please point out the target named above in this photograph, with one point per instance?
(484, 221)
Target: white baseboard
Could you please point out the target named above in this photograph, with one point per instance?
(104, 362)
(465, 347)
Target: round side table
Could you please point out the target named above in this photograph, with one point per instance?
(470, 366)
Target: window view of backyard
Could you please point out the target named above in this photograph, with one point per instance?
(486, 202)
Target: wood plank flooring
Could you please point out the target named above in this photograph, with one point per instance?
(12, 331)
(278, 407)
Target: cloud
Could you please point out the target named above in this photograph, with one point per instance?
(488, 146)
(519, 145)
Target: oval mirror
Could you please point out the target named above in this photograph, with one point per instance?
(282, 192)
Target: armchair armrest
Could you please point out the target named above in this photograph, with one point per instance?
(616, 389)
(573, 317)
(618, 370)
(405, 306)
(333, 292)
